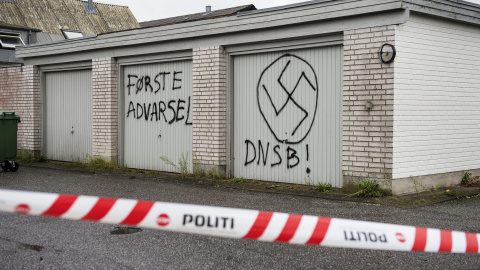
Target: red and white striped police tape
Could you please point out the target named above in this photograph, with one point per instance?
(240, 223)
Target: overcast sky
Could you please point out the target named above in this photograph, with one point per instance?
(147, 10)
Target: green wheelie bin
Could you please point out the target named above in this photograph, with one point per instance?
(8, 140)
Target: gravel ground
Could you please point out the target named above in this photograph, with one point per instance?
(28, 242)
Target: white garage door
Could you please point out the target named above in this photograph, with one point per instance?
(288, 116)
(158, 115)
(68, 115)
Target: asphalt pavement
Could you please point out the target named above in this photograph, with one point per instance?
(29, 242)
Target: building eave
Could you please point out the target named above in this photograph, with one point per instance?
(457, 10)
(317, 11)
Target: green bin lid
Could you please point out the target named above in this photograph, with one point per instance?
(9, 116)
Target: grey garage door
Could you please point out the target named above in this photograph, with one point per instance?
(288, 116)
(158, 115)
(68, 115)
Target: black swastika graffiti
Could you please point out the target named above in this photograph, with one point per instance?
(287, 95)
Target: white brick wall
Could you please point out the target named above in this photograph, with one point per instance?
(437, 97)
(209, 106)
(105, 108)
(367, 136)
(20, 92)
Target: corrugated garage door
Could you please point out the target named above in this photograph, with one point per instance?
(157, 115)
(288, 116)
(68, 115)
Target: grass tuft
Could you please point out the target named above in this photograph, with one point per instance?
(324, 187)
(29, 157)
(369, 189)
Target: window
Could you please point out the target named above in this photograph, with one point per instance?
(72, 34)
(10, 40)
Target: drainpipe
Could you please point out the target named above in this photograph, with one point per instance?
(29, 35)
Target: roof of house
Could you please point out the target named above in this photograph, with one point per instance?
(198, 16)
(54, 15)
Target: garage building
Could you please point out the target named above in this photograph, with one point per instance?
(295, 94)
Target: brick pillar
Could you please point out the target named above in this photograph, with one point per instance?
(105, 108)
(209, 107)
(20, 92)
(30, 108)
(367, 135)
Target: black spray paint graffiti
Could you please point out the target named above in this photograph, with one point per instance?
(259, 152)
(145, 82)
(288, 99)
(170, 111)
(153, 112)
(287, 96)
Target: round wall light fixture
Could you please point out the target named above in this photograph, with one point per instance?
(387, 53)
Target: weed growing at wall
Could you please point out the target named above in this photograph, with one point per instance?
(197, 171)
(98, 163)
(450, 192)
(419, 187)
(30, 157)
(94, 164)
(214, 173)
(466, 177)
(369, 189)
(468, 181)
(324, 187)
(182, 166)
(239, 180)
(211, 173)
(168, 161)
(308, 180)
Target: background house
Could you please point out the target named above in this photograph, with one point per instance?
(12, 36)
(35, 21)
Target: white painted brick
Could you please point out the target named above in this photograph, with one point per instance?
(104, 86)
(209, 90)
(366, 74)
